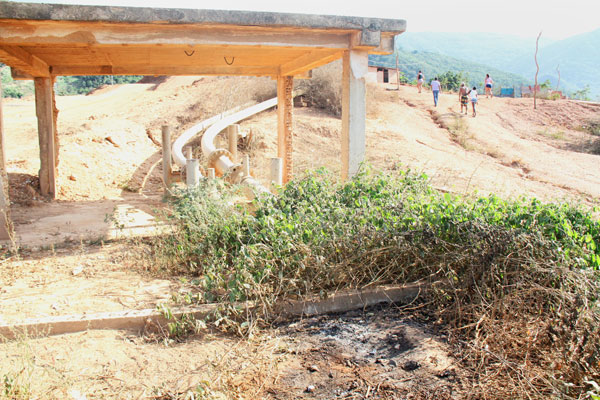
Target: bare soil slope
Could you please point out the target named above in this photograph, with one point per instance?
(110, 146)
(110, 165)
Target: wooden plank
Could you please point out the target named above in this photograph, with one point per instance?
(308, 61)
(166, 55)
(6, 226)
(44, 100)
(19, 75)
(19, 58)
(285, 106)
(353, 114)
(164, 70)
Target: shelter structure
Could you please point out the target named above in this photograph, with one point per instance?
(43, 41)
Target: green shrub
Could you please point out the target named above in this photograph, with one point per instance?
(514, 282)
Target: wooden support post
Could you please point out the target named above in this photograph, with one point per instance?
(6, 226)
(44, 109)
(355, 65)
(166, 160)
(55, 125)
(285, 104)
(232, 139)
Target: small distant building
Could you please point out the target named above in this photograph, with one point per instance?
(507, 92)
(381, 74)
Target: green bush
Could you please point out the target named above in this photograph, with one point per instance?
(516, 283)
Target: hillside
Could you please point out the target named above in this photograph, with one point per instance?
(578, 56)
(432, 64)
(107, 149)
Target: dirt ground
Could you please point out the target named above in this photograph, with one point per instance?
(377, 353)
(110, 185)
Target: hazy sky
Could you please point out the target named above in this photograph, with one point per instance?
(557, 18)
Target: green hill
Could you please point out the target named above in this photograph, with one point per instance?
(578, 56)
(432, 64)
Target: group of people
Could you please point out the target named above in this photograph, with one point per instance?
(464, 93)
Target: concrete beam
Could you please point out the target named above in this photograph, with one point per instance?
(210, 18)
(151, 318)
(285, 106)
(355, 67)
(44, 109)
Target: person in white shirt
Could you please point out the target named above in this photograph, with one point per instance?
(436, 88)
(488, 86)
(473, 96)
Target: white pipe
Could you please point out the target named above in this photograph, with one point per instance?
(215, 125)
(224, 163)
(186, 136)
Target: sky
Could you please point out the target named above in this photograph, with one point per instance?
(557, 19)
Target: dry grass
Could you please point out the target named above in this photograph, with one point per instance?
(324, 90)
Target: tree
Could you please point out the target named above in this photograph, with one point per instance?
(451, 80)
(583, 94)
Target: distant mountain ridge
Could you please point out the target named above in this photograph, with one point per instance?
(577, 56)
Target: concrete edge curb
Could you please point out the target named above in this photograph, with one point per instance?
(139, 319)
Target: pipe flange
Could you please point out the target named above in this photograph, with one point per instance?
(214, 156)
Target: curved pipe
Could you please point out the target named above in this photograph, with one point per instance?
(224, 163)
(215, 125)
(177, 148)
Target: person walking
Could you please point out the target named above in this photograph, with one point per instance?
(436, 88)
(473, 96)
(420, 80)
(489, 82)
(463, 98)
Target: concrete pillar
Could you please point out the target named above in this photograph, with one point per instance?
(232, 139)
(246, 165)
(277, 171)
(211, 173)
(44, 109)
(6, 226)
(192, 172)
(285, 106)
(355, 67)
(189, 153)
(166, 152)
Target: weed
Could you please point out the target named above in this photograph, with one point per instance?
(557, 135)
(459, 132)
(128, 186)
(502, 271)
